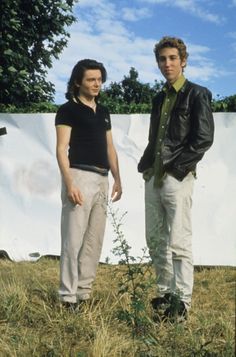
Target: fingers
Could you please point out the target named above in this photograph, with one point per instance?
(78, 200)
(76, 197)
(116, 193)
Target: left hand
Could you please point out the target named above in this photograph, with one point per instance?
(116, 192)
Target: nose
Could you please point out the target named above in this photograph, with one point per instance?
(97, 83)
(167, 62)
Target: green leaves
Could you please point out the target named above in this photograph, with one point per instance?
(43, 107)
(130, 95)
(8, 52)
(34, 32)
(227, 104)
(12, 69)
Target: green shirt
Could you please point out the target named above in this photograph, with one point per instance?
(167, 106)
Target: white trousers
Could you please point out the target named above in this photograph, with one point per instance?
(169, 234)
(82, 233)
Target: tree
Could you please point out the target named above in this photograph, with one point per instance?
(130, 95)
(226, 104)
(33, 32)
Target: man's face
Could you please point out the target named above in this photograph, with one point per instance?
(91, 83)
(170, 64)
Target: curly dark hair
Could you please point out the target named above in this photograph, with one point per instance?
(174, 42)
(78, 74)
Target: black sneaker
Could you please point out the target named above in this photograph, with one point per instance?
(70, 306)
(176, 312)
(159, 301)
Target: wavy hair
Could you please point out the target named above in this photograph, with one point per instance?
(173, 42)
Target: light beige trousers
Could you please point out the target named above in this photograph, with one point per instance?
(169, 234)
(82, 233)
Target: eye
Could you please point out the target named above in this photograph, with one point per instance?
(175, 58)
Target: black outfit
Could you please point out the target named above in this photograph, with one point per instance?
(189, 133)
(88, 143)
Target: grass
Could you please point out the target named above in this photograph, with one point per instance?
(33, 323)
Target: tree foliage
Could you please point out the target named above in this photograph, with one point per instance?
(42, 107)
(226, 104)
(33, 33)
(130, 95)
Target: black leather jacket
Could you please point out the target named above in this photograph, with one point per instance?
(189, 133)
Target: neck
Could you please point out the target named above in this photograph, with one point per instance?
(89, 101)
(175, 80)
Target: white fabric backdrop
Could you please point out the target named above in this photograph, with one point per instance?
(30, 189)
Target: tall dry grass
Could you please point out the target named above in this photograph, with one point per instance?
(33, 323)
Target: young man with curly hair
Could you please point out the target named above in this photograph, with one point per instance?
(181, 131)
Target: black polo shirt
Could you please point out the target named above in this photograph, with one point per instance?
(88, 143)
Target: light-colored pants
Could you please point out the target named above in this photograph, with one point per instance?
(169, 234)
(82, 233)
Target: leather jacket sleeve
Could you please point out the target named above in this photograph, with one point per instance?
(147, 159)
(200, 137)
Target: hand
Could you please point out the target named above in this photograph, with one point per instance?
(116, 192)
(75, 196)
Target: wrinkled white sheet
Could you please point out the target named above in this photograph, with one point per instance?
(30, 189)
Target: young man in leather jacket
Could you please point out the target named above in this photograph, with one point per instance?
(181, 131)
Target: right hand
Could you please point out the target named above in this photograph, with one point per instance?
(147, 174)
(75, 195)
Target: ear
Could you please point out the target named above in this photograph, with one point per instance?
(183, 63)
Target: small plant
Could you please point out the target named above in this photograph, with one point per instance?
(135, 281)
